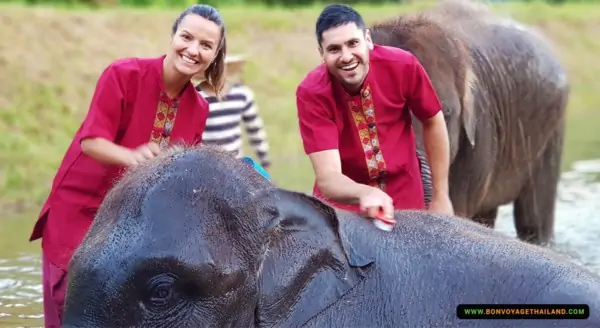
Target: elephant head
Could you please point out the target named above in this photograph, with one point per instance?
(195, 238)
(446, 59)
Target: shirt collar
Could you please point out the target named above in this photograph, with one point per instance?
(339, 88)
(158, 70)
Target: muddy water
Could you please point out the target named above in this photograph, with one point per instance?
(577, 235)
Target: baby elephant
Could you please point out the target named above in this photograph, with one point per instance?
(196, 238)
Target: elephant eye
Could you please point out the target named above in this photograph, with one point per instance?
(160, 289)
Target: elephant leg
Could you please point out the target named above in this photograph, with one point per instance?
(488, 218)
(534, 208)
(425, 176)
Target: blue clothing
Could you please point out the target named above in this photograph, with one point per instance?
(257, 167)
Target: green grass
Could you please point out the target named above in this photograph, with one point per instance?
(50, 59)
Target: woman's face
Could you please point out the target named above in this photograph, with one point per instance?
(194, 45)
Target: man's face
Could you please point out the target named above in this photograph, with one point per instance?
(345, 52)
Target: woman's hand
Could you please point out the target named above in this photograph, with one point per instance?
(107, 152)
(142, 154)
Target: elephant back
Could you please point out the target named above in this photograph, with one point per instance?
(500, 44)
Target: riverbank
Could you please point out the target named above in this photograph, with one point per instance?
(50, 60)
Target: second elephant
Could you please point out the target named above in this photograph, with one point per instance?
(504, 96)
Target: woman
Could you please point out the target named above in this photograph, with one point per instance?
(140, 106)
(228, 110)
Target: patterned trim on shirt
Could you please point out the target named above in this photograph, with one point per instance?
(223, 127)
(164, 120)
(364, 119)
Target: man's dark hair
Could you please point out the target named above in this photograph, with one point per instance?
(337, 15)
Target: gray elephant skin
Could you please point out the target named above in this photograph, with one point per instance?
(195, 238)
(504, 96)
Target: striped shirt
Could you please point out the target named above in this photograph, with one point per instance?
(223, 127)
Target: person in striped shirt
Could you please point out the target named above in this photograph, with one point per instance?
(237, 105)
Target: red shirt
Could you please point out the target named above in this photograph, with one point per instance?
(130, 108)
(372, 130)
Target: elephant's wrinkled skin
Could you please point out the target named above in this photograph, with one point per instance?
(198, 239)
(504, 95)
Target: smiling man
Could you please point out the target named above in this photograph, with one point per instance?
(355, 123)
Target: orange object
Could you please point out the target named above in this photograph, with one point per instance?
(383, 223)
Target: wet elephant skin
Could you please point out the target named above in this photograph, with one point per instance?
(195, 238)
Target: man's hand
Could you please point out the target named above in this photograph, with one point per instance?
(336, 186)
(372, 200)
(440, 203)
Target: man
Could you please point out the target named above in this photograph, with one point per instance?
(355, 122)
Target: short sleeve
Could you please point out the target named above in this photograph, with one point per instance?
(421, 96)
(317, 128)
(105, 109)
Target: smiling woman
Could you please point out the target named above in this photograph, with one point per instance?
(123, 129)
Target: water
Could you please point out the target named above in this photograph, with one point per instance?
(20, 291)
(577, 235)
(577, 227)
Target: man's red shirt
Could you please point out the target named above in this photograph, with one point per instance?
(372, 130)
(130, 108)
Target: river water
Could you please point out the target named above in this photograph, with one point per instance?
(577, 235)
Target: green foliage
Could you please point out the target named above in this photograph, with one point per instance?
(221, 3)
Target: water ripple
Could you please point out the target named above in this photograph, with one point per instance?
(577, 226)
(21, 291)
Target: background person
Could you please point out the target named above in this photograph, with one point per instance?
(237, 104)
(121, 130)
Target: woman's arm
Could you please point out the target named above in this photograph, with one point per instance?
(99, 129)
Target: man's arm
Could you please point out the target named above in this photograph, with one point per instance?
(332, 183)
(319, 135)
(435, 141)
(425, 104)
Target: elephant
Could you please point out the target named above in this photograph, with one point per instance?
(196, 238)
(504, 94)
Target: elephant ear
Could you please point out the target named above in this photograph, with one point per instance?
(298, 212)
(308, 265)
(469, 121)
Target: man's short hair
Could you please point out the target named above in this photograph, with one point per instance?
(337, 15)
